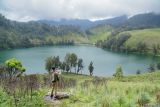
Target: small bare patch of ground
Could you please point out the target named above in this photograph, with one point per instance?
(56, 100)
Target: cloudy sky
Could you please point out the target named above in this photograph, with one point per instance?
(25, 10)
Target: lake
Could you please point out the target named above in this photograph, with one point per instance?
(105, 62)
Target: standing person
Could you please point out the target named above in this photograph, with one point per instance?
(55, 80)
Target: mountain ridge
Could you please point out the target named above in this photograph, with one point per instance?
(85, 23)
(14, 34)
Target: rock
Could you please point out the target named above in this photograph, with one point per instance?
(52, 101)
(56, 99)
(61, 96)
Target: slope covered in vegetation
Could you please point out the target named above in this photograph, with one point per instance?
(129, 91)
(148, 36)
(140, 41)
(19, 34)
(97, 33)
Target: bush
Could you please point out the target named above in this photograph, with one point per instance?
(144, 99)
(121, 101)
(119, 72)
(138, 72)
(151, 68)
(105, 103)
(158, 65)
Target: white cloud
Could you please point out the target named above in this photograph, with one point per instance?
(24, 10)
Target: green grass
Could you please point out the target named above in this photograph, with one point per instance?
(146, 77)
(111, 92)
(76, 76)
(129, 91)
(72, 36)
(99, 33)
(147, 36)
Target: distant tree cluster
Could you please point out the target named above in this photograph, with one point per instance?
(154, 67)
(151, 68)
(143, 48)
(115, 44)
(71, 63)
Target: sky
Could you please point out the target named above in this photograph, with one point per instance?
(26, 10)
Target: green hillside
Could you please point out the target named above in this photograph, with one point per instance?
(139, 41)
(99, 33)
(77, 38)
(147, 36)
(20, 35)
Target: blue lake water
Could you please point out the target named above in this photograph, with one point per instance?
(105, 62)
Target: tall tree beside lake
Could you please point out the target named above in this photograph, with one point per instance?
(67, 60)
(74, 60)
(91, 68)
(52, 62)
(80, 65)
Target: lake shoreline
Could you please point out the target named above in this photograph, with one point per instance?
(104, 61)
(87, 44)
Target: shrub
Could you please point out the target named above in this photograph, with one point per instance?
(105, 103)
(14, 68)
(121, 101)
(158, 97)
(119, 72)
(158, 65)
(144, 99)
(151, 68)
(138, 72)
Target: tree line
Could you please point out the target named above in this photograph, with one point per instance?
(70, 64)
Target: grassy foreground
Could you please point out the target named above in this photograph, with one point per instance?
(130, 91)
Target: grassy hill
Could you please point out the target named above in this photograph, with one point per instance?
(99, 33)
(139, 41)
(147, 36)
